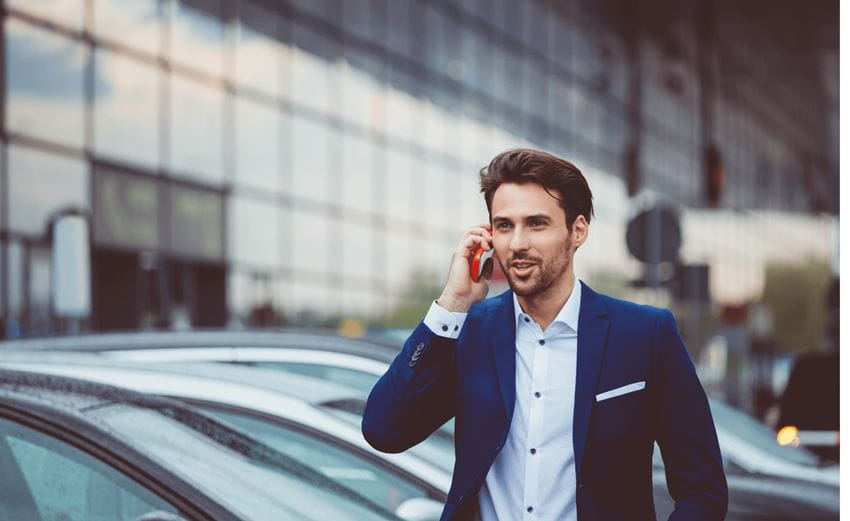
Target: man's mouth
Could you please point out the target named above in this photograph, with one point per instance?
(522, 268)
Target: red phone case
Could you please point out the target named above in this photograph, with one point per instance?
(479, 260)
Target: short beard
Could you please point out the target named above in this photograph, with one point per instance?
(549, 273)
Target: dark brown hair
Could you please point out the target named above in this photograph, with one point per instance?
(560, 178)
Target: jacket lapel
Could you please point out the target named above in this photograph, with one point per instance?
(593, 324)
(503, 347)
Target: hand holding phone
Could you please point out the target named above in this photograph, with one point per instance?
(479, 262)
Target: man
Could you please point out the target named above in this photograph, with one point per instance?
(559, 392)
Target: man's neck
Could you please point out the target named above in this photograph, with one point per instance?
(544, 307)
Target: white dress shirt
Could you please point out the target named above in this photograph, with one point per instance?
(533, 477)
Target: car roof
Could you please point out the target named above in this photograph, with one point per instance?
(290, 337)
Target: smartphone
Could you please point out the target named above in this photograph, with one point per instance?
(479, 262)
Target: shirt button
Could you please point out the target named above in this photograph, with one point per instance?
(445, 327)
(537, 395)
(527, 320)
(542, 342)
(534, 451)
(530, 509)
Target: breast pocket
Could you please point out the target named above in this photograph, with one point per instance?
(622, 413)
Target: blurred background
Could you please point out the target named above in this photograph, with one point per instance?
(186, 164)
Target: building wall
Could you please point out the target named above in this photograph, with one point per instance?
(344, 138)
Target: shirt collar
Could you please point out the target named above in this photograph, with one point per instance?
(568, 313)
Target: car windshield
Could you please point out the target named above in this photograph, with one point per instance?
(350, 468)
(746, 428)
(262, 491)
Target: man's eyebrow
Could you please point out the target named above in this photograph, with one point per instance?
(531, 217)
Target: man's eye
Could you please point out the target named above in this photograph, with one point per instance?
(503, 225)
(538, 223)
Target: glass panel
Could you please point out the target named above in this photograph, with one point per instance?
(257, 150)
(258, 49)
(362, 94)
(197, 35)
(126, 210)
(359, 174)
(311, 242)
(197, 223)
(134, 23)
(399, 185)
(254, 232)
(196, 129)
(312, 76)
(402, 109)
(44, 92)
(357, 250)
(15, 274)
(343, 465)
(65, 483)
(68, 13)
(403, 258)
(126, 109)
(359, 303)
(310, 161)
(43, 183)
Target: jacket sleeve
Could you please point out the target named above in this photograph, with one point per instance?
(416, 394)
(685, 431)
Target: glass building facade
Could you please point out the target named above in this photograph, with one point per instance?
(264, 162)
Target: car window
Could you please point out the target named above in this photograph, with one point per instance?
(437, 449)
(358, 473)
(45, 479)
(359, 381)
(233, 474)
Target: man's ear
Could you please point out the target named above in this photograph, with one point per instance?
(580, 230)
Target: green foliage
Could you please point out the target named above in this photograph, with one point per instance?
(414, 302)
(795, 294)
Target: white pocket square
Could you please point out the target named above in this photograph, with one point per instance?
(619, 391)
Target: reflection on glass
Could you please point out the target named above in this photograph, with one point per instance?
(197, 35)
(127, 209)
(257, 139)
(44, 74)
(134, 23)
(311, 145)
(259, 53)
(311, 242)
(38, 310)
(126, 109)
(359, 302)
(361, 92)
(254, 232)
(436, 196)
(68, 13)
(403, 110)
(43, 183)
(401, 254)
(358, 173)
(196, 129)
(197, 227)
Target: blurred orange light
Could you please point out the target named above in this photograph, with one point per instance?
(787, 435)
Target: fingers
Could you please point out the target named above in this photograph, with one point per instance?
(471, 243)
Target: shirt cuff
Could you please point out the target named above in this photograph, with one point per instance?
(443, 322)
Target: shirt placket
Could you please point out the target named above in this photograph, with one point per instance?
(531, 492)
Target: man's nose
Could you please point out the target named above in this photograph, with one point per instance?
(518, 241)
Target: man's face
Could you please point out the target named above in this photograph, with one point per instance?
(531, 238)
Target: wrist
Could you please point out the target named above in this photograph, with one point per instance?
(454, 304)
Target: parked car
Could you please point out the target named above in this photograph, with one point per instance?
(79, 450)
(765, 479)
(404, 483)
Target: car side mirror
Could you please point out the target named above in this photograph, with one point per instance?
(420, 509)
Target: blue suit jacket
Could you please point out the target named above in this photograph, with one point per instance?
(472, 378)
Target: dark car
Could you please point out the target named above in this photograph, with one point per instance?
(79, 451)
